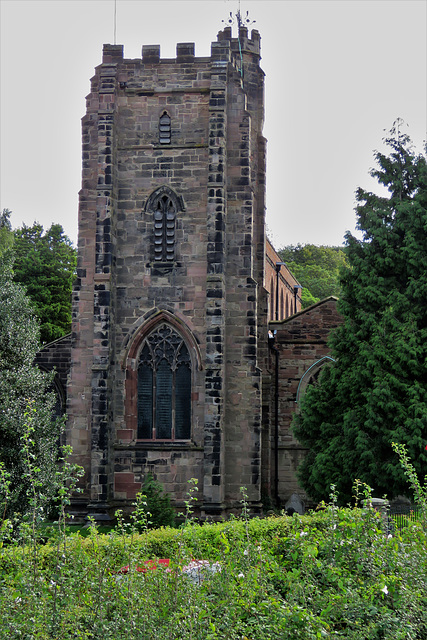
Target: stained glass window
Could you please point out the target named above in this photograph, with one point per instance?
(164, 387)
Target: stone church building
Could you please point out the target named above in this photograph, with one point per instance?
(188, 347)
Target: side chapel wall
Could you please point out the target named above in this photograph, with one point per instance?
(302, 341)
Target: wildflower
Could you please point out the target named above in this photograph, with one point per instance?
(384, 589)
(246, 552)
(197, 570)
(241, 575)
(303, 533)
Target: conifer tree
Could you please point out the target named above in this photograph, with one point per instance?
(376, 392)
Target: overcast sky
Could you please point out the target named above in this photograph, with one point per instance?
(338, 73)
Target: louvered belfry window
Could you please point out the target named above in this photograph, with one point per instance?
(164, 205)
(164, 230)
(165, 129)
(164, 387)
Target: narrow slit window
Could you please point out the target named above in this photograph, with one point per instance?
(165, 129)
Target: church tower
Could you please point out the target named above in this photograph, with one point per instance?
(169, 308)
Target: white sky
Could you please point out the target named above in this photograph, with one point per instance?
(338, 73)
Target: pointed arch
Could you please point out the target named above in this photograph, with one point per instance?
(311, 374)
(160, 366)
(164, 205)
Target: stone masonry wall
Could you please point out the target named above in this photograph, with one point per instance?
(214, 165)
(302, 340)
(56, 356)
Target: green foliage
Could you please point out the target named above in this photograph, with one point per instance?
(159, 506)
(318, 269)
(45, 264)
(26, 405)
(420, 492)
(335, 573)
(6, 234)
(376, 391)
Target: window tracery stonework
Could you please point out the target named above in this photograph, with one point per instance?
(164, 387)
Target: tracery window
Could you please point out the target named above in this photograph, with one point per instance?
(164, 386)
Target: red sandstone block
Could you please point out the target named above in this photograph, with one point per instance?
(125, 435)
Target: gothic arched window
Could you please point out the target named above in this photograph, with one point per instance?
(164, 386)
(164, 230)
(164, 205)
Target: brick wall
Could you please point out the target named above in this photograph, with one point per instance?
(281, 285)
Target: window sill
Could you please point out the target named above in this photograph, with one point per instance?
(159, 445)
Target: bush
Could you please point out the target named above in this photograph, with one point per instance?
(334, 573)
(159, 506)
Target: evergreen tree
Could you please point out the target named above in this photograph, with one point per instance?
(45, 264)
(26, 404)
(376, 393)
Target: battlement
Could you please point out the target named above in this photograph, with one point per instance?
(225, 46)
(247, 45)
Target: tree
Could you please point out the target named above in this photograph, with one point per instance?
(318, 269)
(376, 392)
(45, 264)
(6, 233)
(26, 402)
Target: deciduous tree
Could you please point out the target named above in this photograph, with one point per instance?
(45, 264)
(26, 402)
(318, 269)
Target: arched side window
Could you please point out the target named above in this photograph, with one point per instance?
(164, 387)
(282, 306)
(287, 307)
(164, 128)
(311, 375)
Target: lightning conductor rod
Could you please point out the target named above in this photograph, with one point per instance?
(115, 21)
